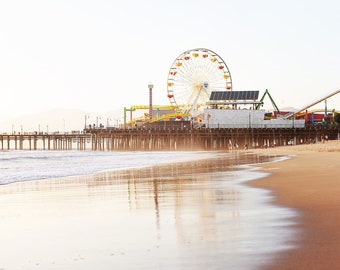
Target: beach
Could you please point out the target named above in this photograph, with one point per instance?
(309, 183)
(193, 214)
(205, 214)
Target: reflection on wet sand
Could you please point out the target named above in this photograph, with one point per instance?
(192, 215)
(164, 183)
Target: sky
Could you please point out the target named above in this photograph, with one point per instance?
(99, 56)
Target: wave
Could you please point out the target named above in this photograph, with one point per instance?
(34, 165)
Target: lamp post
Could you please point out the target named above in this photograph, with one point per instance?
(97, 118)
(86, 117)
(150, 100)
(108, 121)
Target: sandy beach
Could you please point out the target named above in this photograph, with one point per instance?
(190, 216)
(187, 215)
(309, 182)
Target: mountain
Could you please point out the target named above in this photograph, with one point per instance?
(62, 120)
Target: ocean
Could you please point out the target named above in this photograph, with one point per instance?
(17, 166)
(138, 210)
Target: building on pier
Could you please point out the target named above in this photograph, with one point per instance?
(241, 109)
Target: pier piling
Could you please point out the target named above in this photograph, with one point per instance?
(148, 139)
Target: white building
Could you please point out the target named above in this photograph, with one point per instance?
(225, 111)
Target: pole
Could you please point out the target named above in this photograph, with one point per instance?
(86, 117)
(150, 101)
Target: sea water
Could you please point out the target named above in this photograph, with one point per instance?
(138, 210)
(16, 166)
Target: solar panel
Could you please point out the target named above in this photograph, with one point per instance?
(234, 95)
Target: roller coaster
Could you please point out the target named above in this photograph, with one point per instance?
(303, 110)
(164, 113)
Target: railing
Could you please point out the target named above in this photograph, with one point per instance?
(218, 138)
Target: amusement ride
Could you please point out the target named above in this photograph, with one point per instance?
(193, 75)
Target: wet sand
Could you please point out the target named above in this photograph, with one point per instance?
(190, 218)
(309, 182)
(196, 215)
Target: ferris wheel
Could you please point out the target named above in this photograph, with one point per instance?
(193, 76)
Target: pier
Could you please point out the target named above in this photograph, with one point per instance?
(34, 141)
(208, 139)
(161, 139)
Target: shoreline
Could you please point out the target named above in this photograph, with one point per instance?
(296, 183)
(308, 183)
(148, 214)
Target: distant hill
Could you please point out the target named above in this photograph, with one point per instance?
(59, 120)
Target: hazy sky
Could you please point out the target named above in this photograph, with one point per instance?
(100, 55)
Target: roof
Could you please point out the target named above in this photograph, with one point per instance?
(234, 95)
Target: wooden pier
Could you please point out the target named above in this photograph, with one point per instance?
(158, 139)
(34, 141)
(207, 139)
